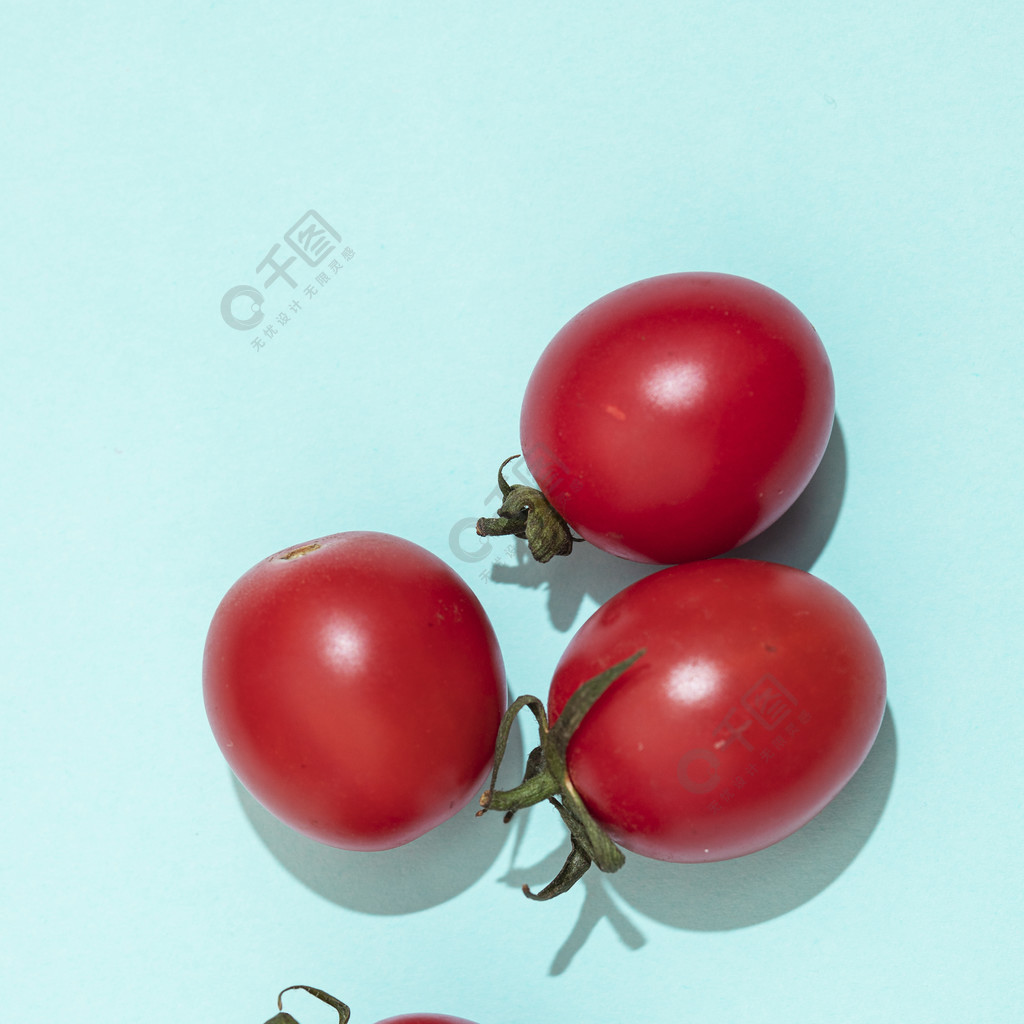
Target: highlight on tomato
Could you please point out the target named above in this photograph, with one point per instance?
(703, 713)
(345, 1014)
(355, 686)
(671, 420)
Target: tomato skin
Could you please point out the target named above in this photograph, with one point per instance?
(355, 686)
(759, 694)
(425, 1018)
(678, 417)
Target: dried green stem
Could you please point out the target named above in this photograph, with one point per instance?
(547, 778)
(344, 1013)
(526, 513)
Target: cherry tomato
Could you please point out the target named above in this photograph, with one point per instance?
(355, 686)
(425, 1018)
(345, 1013)
(678, 417)
(758, 694)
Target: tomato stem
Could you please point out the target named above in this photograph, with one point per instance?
(547, 778)
(344, 1013)
(526, 513)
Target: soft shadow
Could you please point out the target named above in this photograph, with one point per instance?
(797, 538)
(736, 893)
(593, 573)
(761, 886)
(422, 874)
(597, 906)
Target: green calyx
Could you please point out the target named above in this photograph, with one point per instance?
(286, 1018)
(526, 513)
(547, 778)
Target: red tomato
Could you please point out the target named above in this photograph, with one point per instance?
(345, 1013)
(355, 686)
(759, 694)
(425, 1018)
(678, 417)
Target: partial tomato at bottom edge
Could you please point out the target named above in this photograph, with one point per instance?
(345, 1013)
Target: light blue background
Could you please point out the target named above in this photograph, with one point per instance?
(493, 168)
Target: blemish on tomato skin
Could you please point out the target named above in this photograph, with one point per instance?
(614, 410)
(290, 553)
(446, 611)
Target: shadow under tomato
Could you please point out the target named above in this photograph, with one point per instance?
(736, 893)
(761, 886)
(422, 874)
(797, 538)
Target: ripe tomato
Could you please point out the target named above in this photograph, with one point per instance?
(758, 695)
(676, 418)
(345, 1013)
(355, 686)
(425, 1018)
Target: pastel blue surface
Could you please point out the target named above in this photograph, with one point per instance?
(490, 169)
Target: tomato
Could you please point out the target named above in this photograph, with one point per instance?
(345, 1013)
(354, 684)
(703, 713)
(677, 417)
(425, 1018)
(758, 695)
